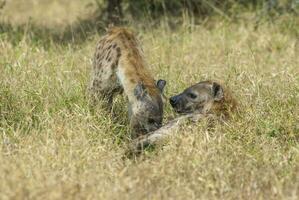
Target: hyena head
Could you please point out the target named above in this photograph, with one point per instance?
(147, 112)
(201, 97)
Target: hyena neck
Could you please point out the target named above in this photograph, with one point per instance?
(130, 79)
(132, 68)
(226, 106)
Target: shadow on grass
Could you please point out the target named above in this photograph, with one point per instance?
(75, 33)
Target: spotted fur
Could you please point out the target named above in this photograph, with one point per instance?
(118, 66)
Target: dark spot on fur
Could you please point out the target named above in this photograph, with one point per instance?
(102, 56)
(126, 36)
(98, 65)
(108, 56)
(118, 52)
(99, 47)
(109, 59)
(114, 46)
(96, 83)
(109, 47)
(98, 55)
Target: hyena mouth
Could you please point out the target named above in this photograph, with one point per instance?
(183, 111)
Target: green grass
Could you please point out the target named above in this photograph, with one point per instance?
(53, 147)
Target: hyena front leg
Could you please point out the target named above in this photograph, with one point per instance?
(104, 84)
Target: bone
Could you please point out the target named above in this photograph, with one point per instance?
(169, 129)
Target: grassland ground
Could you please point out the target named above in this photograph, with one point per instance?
(53, 147)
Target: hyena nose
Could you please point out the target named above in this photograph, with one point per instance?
(173, 100)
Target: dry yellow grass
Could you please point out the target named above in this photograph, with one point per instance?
(46, 12)
(52, 147)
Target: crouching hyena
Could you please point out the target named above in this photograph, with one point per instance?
(206, 97)
(119, 66)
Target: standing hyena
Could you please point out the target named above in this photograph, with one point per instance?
(119, 66)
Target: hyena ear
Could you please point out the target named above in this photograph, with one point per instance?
(217, 92)
(140, 91)
(161, 84)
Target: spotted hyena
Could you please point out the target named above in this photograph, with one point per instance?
(119, 66)
(204, 97)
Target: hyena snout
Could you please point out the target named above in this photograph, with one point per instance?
(178, 103)
(173, 101)
(153, 125)
(143, 125)
(153, 119)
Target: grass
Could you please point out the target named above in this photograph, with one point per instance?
(52, 147)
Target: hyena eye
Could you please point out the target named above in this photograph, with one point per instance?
(192, 95)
